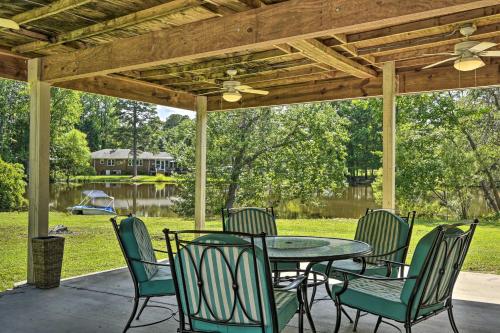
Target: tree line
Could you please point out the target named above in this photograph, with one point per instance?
(447, 146)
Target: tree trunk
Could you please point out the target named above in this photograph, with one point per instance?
(492, 184)
(134, 161)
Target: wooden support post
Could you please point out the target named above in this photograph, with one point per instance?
(39, 139)
(389, 137)
(201, 162)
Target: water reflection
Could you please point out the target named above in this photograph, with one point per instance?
(157, 200)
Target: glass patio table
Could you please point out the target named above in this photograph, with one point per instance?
(311, 250)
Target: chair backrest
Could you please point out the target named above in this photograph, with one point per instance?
(222, 281)
(135, 243)
(249, 220)
(386, 232)
(437, 261)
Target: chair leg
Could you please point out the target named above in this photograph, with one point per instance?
(379, 320)
(301, 317)
(132, 315)
(347, 315)
(452, 320)
(142, 308)
(356, 320)
(339, 314)
(408, 328)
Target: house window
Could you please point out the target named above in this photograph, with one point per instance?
(139, 162)
(101, 161)
(111, 162)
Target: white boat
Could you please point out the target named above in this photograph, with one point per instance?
(95, 202)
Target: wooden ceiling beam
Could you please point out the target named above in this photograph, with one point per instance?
(414, 81)
(430, 27)
(212, 64)
(121, 22)
(15, 67)
(432, 48)
(262, 27)
(51, 9)
(317, 51)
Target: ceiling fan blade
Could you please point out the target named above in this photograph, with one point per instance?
(211, 92)
(438, 54)
(490, 54)
(250, 90)
(481, 47)
(440, 62)
(9, 24)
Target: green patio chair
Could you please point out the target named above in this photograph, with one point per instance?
(224, 284)
(150, 278)
(388, 234)
(425, 292)
(255, 220)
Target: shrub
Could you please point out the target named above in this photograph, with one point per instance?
(12, 186)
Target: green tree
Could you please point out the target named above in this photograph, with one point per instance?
(264, 156)
(99, 120)
(12, 186)
(139, 127)
(71, 154)
(365, 134)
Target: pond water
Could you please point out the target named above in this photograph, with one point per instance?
(156, 200)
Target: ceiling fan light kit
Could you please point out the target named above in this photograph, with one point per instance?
(469, 63)
(231, 96)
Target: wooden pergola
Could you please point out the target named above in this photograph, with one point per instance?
(176, 53)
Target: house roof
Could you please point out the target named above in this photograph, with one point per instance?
(127, 153)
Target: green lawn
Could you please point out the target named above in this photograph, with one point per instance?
(93, 247)
(125, 179)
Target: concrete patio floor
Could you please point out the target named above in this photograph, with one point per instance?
(102, 303)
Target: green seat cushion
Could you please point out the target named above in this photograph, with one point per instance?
(137, 245)
(287, 305)
(378, 297)
(161, 284)
(351, 266)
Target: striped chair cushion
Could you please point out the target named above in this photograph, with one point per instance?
(137, 244)
(252, 221)
(223, 286)
(385, 232)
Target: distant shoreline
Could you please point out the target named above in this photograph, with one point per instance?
(126, 179)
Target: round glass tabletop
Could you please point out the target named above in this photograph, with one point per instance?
(313, 249)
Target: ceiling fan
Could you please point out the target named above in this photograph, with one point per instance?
(232, 89)
(467, 55)
(9, 24)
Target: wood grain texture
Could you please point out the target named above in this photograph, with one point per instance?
(132, 89)
(317, 51)
(13, 67)
(262, 27)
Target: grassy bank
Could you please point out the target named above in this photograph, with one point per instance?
(126, 179)
(92, 246)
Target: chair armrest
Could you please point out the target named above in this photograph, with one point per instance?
(296, 282)
(149, 262)
(390, 262)
(387, 253)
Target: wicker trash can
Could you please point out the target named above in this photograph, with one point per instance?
(47, 261)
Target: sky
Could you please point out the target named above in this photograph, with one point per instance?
(165, 111)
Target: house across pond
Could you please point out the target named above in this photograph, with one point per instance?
(120, 162)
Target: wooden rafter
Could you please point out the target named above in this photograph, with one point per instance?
(318, 52)
(212, 64)
(51, 9)
(152, 13)
(413, 81)
(256, 28)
